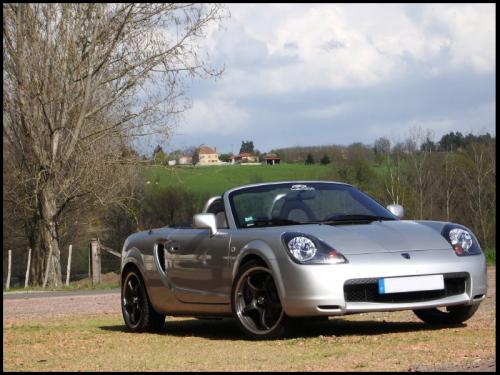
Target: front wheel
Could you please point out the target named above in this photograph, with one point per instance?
(138, 313)
(452, 315)
(256, 304)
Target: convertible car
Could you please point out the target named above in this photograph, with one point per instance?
(274, 254)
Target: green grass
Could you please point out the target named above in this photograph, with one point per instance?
(490, 255)
(214, 180)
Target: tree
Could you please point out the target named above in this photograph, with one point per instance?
(428, 145)
(479, 173)
(309, 159)
(325, 160)
(382, 146)
(80, 82)
(247, 146)
(225, 157)
(157, 149)
(451, 141)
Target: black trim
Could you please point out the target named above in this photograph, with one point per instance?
(366, 290)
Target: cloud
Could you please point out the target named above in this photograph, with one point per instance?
(213, 116)
(341, 73)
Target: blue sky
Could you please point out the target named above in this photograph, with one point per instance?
(317, 74)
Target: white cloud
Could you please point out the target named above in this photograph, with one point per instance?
(340, 46)
(328, 112)
(212, 116)
(375, 68)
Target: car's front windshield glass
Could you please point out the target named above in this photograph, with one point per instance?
(303, 203)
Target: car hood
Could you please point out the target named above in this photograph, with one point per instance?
(377, 237)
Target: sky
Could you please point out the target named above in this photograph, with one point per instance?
(320, 74)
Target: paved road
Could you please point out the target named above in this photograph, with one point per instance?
(29, 295)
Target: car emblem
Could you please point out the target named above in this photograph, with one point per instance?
(405, 255)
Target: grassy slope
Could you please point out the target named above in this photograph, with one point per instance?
(216, 180)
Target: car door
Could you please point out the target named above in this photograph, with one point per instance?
(197, 264)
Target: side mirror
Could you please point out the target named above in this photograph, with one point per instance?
(205, 221)
(396, 209)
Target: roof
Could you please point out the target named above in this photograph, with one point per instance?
(205, 150)
(271, 156)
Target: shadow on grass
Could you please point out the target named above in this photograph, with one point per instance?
(227, 329)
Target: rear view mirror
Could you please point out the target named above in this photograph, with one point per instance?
(205, 221)
(396, 209)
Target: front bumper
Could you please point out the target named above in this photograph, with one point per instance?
(316, 290)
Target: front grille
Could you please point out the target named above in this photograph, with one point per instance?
(366, 290)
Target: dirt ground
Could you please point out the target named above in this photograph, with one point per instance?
(18, 310)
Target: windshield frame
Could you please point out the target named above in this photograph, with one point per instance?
(229, 198)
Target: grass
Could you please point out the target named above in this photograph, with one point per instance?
(490, 255)
(214, 180)
(364, 342)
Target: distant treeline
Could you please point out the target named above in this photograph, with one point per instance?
(452, 141)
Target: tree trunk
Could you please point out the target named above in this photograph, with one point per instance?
(49, 236)
(32, 232)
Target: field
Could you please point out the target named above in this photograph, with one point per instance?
(87, 334)
(215, 180)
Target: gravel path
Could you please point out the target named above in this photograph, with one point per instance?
(19, 309)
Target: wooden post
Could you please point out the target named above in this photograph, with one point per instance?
(46, 278)
(95, 254)
(68, 268)
(8, 270)
(26, 279)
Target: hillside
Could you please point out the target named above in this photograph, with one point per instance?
(215, 180)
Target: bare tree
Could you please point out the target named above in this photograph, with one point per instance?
(478, 172)
(393, 179)
(81, 81)
(421, 165)
(449, 181)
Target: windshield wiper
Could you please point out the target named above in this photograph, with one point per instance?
(342, 219)
(273, 222)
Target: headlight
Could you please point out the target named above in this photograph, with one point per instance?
(461, 239)
(302, 248)
(306, 249)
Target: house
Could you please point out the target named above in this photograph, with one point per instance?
(271, 159)
(245, 157)
(184, 160)
(205, 155)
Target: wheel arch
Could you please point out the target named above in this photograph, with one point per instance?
(261, 252)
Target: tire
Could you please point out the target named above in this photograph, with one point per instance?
(255, 303)
(137, 311)
(453, 315)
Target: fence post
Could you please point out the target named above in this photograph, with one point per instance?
(26, 279)
(68, 268)
(8, 270)
(95, 260)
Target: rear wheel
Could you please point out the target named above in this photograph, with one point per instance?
(256, 304)
(138, 313)
(449, 315)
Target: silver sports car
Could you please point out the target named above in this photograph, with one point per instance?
(272, 254)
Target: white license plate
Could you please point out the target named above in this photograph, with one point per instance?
(410, 284)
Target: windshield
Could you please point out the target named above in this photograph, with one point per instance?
(303, 203)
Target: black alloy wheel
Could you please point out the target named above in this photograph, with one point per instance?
(256, 304)
(138, 314)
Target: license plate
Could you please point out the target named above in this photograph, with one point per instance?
(410, 284)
